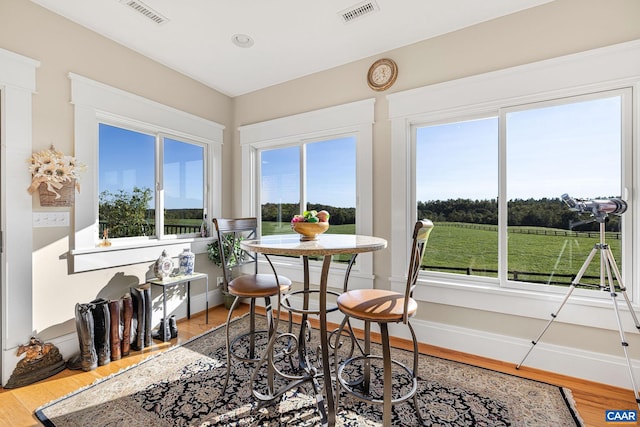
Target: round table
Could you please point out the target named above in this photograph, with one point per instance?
(326, 246)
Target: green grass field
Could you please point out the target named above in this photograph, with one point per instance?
(533, 256)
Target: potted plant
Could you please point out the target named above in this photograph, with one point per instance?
(233, 257)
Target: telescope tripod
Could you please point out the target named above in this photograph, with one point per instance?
(608, 270)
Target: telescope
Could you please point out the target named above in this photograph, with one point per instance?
(599, 208)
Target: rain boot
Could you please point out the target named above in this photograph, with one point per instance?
(87, 359)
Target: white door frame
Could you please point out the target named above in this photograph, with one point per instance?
(17, 87)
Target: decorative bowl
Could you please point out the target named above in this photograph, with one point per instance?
(310, 230)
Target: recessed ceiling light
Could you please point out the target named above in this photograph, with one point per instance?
(242, 40)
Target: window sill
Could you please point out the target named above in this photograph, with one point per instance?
(127, 253)
(584, 307)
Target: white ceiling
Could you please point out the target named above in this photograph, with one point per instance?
(293, 38)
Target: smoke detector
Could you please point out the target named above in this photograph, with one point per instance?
(145, 11)
(358, 11)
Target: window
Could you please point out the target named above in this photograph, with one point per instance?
(312, 161)
(571, 145)
(558, 126)
(318, 175)
(180, 163)
(129, 205)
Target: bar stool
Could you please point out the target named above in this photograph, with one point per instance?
(251, 286)
(382, 307)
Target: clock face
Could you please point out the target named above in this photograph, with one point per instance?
(382, 74)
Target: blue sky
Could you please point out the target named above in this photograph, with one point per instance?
(572, 149)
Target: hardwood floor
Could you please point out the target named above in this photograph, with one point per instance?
(18, 405)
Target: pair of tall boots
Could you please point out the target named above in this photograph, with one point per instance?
(142, 311)
(93, 324)
(98, 327)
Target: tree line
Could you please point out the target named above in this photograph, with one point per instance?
(545, 212)
(283, 212)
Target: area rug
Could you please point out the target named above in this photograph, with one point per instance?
(183, 387)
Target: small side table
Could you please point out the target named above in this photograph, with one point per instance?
(180, 279)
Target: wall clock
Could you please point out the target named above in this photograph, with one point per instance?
(382, 74)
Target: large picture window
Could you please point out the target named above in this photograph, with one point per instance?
(570, 145)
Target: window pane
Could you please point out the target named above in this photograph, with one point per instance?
(456, 188)
(573, 148)
(279, 189)
(183, 183)
(126, 182)
(331, 182)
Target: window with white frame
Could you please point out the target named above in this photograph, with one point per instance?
(489, 158)
(312, 161)
(568, 146)
(308, 176)
(137, 151)
(132, 165)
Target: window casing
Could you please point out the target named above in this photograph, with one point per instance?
(504, 92)
(346, 124)
(96, 103)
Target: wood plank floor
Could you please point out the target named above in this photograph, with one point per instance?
(18, 405)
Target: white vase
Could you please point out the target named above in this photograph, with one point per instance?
(187, 262)
(163, 266)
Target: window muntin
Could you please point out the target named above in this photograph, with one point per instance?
(130, 202)
(573, 145)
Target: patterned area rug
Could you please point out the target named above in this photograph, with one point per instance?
(182, 387)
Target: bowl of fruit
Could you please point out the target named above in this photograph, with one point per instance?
(310, 224)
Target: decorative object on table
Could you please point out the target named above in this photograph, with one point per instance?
(382, 74)
(163, 266)
(41, 361)
(310, 224)
(187, 261)
(55, 176)
(162, 390)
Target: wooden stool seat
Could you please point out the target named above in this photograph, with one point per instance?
(258, 285)
(376, 305)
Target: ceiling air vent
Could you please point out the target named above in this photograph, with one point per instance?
(358, 11)
(145, 10)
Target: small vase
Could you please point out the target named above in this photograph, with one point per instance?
(163, 266)
(187, 262)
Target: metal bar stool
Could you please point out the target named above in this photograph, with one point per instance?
(252, 286)
(382, 307)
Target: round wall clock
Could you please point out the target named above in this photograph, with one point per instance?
(382, 74)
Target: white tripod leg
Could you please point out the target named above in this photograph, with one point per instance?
(574, 282)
